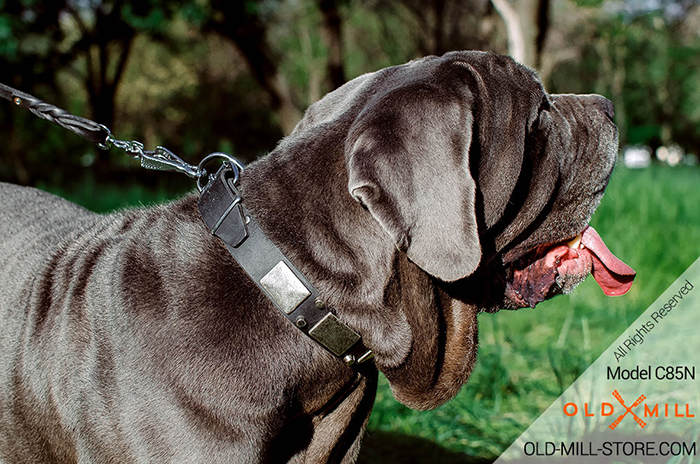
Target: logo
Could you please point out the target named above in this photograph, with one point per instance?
(669, 410)
(617, 396)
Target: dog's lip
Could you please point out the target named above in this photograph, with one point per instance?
(531, 278)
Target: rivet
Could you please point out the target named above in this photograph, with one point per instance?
(319, 303)
(301, 321)
(349, 359)
(18, 101)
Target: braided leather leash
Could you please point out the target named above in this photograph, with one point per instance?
(85, 128)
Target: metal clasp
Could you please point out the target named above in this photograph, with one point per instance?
(165, 160)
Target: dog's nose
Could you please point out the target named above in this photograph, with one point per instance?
(599, 102)
(605, 104)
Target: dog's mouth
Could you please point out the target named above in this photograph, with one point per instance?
(550, 270)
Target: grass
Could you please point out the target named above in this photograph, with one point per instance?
(650, 218)
(106, 198)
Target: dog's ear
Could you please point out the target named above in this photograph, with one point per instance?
(407, 157)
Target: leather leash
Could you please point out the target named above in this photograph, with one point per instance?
(85, 128)
(222, 210)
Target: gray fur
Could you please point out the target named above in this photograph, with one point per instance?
(403, 196)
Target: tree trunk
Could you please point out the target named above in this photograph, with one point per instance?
(514, 31)
(102, 91)
(542, 30)
(239, 22)
(106, 45)
(527, 24)
(333, 34)
(439, 28)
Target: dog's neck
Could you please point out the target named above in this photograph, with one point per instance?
(306, 210)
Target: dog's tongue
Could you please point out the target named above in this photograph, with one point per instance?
(613, 276)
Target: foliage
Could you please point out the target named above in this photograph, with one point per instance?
(648, 63)
(203, 75)
(51, 47)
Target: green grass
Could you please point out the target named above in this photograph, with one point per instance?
(650, 218)
(106, 198)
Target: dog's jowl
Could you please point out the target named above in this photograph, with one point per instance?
(411, 199)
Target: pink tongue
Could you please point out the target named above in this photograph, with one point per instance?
(613, 276)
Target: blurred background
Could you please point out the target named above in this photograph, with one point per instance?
(204, 75)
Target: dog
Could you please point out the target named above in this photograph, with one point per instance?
(413, 198)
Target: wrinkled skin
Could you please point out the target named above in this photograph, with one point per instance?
(409, 197)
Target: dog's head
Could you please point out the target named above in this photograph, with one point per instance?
(485, 183)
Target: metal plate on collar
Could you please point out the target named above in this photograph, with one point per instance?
(334, 335)
(284, 287)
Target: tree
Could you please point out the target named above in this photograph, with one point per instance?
(30, 36)
(333, 35)
(107, 33)
(439, 26)
(242, 22)
(527, 24)
(90, 40)
(656, 98)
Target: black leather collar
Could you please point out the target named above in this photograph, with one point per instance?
(222, 210)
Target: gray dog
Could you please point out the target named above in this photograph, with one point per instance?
(412, 198)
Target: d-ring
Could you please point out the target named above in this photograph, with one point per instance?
(202, 172)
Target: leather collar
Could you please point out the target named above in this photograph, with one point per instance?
(224, 213)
